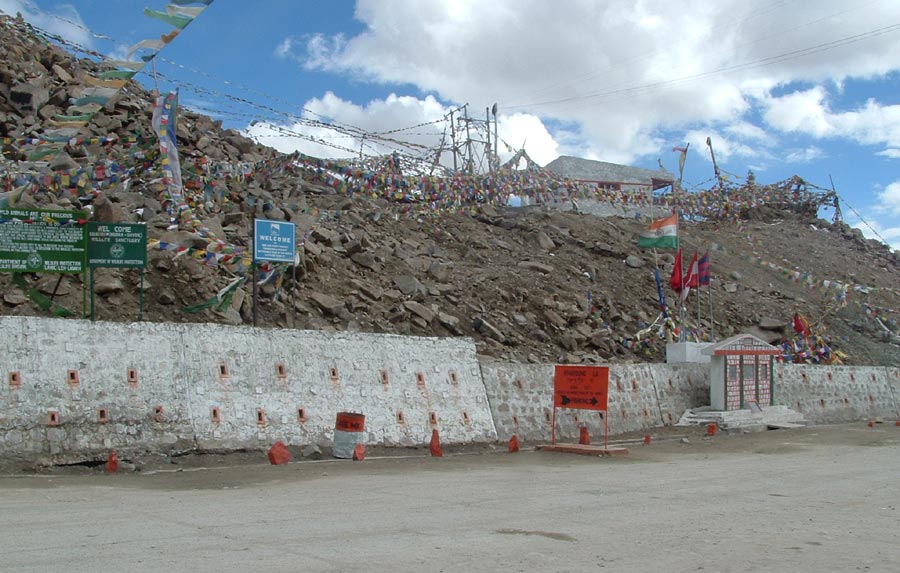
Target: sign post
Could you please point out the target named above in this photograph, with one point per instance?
(273, 241)
(42, 241)
(581, 388)
(117, 245)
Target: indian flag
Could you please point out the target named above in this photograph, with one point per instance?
(662, 233)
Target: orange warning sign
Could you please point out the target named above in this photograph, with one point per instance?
(581, 387)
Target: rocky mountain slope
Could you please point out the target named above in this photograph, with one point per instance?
(532, 283)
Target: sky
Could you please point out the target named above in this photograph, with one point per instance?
(781, 87)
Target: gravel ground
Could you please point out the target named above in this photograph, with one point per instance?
(817, 499)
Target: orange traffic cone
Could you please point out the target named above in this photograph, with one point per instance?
(112, 462)
(585, 438)
(711, 429)
(646, 439)
(359, 452)
(435, 446)
(513, 444)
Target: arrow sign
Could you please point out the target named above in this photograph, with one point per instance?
(581, 387)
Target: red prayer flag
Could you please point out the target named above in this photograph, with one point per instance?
(692, 278)
(675, 280)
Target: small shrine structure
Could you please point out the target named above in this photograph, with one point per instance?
(741, 373)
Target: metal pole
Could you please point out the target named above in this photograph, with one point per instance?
(141, 303)
(453, 140)
(468, 140)
(698, 310)
(496, 139)
(715, 165)
(253, 275)
(294, 293)
(553, 428)
(712, 322)
(605, 429)
(487, 120)
(55, 288)
(92, 294)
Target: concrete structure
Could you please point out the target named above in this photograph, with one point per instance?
(681, 352)
(76, 388)
(829, 394)
(741, 372)
(610, 176)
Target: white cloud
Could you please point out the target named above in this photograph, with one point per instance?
(523, 129)
(889, 199)
(808, 112)
(64, 22)
(285, 48)
(805, 155)
(610, 69)
(892, 153)
(803, 111)
(873, 230)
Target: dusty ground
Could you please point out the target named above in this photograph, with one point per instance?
(817, 499)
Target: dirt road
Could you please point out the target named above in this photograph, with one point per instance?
(817, 499)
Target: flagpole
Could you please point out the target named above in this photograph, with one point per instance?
(680, 272)
(698, 310)
(712, 322)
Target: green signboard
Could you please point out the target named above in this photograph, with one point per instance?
(42, 240)
(121, 245)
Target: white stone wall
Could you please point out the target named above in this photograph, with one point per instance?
(258, 381)
(189, 370)
(831, 394)
(641, 396)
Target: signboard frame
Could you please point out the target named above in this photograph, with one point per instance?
(268, 243)
(61, 249)
(127, 245)
(581, 388)
(127, 249)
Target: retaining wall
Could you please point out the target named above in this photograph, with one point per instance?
(641, 396)
(75, 389)
(68, 391)
(831, 394)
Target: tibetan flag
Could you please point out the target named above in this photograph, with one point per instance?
(703, 269)
(662, 233)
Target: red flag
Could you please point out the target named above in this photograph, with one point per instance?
(692, 278)
(801, 326)
(675, 280)
(703, 269)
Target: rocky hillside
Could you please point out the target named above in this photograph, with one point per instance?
(531, 283)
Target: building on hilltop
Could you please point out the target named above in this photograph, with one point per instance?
(612, 177)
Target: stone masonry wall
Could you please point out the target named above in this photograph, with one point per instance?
(75, 388)
(641, 396)
(832, 394)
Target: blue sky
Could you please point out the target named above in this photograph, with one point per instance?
(781, 87)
